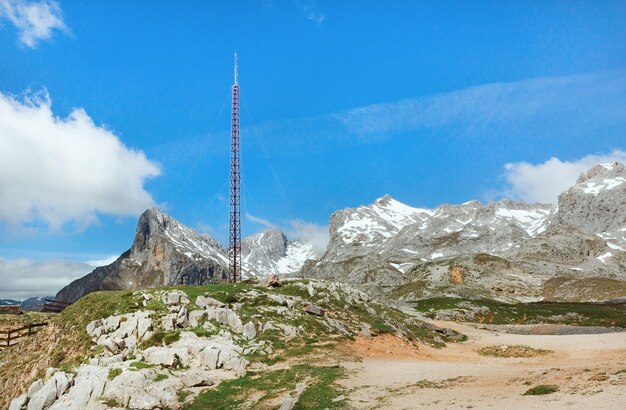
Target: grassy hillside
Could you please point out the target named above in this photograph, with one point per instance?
(303, 357)
(495, 312)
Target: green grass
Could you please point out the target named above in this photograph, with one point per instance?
(541, 389)
(414, 288)
(233, 394)
(112, 403)
(141, 365)
(161, 338)
(488, 259)
(587, 314)
(160, 376)
(113, 373)
(182, 395)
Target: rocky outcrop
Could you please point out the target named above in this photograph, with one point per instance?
(596, 204)
(131, 376)
(162, 342)
(166, 252)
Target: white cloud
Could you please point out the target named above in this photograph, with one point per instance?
(306, 232)
(22, 278)
(34, 20)
(56, 171)
(260, 221)
(477, 109)
(309, 9)
(544, 182)
(309, 232)
(96, 263)
(552, 107)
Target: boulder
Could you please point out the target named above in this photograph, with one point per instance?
(18, 403)
(169, 321)
(175, 297)
(168, 356)
(249, 331)
(208, 357)
(206, 301)
(48, 393)
(273, 281)
(35, 387)
(313, 309)
(289, 330)
(282, 300)
(129, 389)
(196, 378)
(181, 318)
(87, 389)
(195, 317)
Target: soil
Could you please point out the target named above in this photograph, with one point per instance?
(588, 369)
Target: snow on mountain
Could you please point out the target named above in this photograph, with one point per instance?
(595, 204)
(366, 229)
(595, 187)
(377, 222)
(270, 252)
(533, 221)
(189, 242)
(297, 254)
(504, 248)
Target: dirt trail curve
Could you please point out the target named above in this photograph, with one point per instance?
(589, 371)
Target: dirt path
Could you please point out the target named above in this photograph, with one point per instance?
(589, 370)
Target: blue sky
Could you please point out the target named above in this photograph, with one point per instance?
(342, 102)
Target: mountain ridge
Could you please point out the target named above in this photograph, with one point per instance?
(387, 244)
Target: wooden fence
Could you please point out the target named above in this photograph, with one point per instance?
(9, 337)
(55, 306)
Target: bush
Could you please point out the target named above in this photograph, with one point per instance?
(541, 389)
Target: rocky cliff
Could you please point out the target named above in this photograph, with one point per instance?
(166, 252)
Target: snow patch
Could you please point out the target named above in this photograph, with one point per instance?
(436, 255)
(607, 184)
(602, 258)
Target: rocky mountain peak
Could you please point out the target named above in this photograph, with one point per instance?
(270, 252)
(596, 204)
(270, 244)
(602, 171)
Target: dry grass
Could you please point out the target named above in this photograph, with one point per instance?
(512, 351)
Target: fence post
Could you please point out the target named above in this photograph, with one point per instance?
(29, 329)
(9, 339)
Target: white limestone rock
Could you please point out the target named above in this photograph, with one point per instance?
(175, 297)
(18, 403)
(48, 393)
(249, 331)
(207, 301)
(88, 387)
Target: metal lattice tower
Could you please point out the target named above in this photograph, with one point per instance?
(234, 249)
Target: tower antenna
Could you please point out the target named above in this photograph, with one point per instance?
(234, 248)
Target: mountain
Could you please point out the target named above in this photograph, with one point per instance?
(34, 303)
(505, 250)
(270, 252)
(596, 204)
(166, 252)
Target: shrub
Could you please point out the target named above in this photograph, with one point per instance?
(541, 389)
